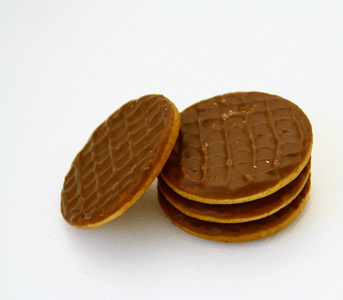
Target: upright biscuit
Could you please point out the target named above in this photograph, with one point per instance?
(121, 159)
(238, 147)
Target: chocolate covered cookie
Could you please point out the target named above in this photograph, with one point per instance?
(238, 147)
(122, 158)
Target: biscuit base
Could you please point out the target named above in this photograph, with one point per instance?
(238, 232)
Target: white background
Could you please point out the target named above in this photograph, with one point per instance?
(67, 65)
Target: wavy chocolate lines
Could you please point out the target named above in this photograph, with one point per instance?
(95, 170)
(228, 151)
(203, 145)
(100, 172)
(298, 127)
(128, 134)
(275, 134)
(77, 179)
(110, 147)
(251, 137)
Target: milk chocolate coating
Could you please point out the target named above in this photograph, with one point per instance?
(238, 232)
(119, 158)
(238, 146)
(237, 213)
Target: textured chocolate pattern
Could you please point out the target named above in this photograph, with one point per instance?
(116, 162)
(235, 146)
(237, 213)
(238, 232)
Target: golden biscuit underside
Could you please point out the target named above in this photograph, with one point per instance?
(239, 232)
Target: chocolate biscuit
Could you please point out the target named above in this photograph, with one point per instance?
(121, 159)
(238, 147)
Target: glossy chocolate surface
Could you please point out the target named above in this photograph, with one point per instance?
(238, 145)
(116, 162)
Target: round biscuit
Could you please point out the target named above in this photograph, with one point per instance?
(122, 158)
(238, 147)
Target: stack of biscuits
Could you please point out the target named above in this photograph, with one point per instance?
(240, 168)
(232, 168)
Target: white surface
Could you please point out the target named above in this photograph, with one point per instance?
(66, 65)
